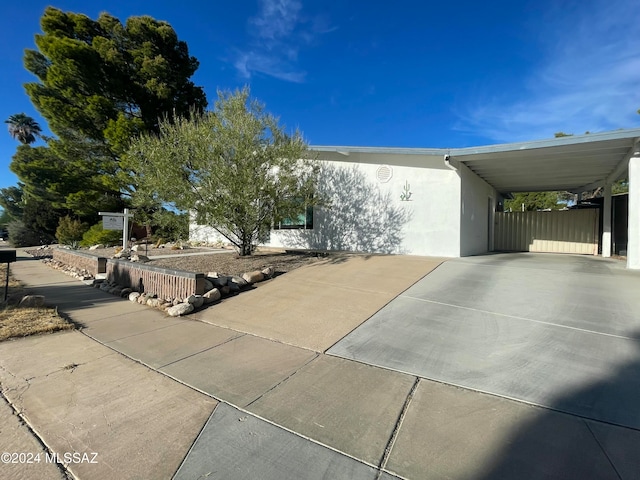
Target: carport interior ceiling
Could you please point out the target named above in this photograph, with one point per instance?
(574, 163)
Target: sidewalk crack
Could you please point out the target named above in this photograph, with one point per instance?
(396, 430)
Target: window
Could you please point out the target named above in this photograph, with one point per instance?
(302, 221)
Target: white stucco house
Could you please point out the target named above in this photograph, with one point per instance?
(447, 202)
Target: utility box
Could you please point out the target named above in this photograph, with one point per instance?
(7, 256)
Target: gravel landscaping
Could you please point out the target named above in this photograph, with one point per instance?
(232, 264)
(225, 263)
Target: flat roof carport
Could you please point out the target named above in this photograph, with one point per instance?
(575, 163)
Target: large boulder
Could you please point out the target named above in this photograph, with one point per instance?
(269, 272)
(180, 309)
(32, 301)
(216, 280)
(154, 302)
(133, 296)
(195, 300)
(241, 282)
(96, 247)
(139, 258)
(208, 285)
(253, 277)
(212, 295)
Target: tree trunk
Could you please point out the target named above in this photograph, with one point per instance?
(245, 249)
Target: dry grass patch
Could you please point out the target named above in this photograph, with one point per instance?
(21, 322)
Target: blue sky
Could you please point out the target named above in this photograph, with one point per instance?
(379, 73)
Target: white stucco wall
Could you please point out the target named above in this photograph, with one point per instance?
(202, 233)
(365, 215)
(477, 204)
(369, 215)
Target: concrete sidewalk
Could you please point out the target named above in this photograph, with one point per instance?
(286, 410)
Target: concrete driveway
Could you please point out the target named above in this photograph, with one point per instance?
(559, 331)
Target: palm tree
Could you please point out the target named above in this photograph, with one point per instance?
(23, 128)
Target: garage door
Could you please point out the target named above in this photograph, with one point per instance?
(566, 231)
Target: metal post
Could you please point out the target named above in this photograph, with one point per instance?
(125, 229)
(6, 284)
(606, 222)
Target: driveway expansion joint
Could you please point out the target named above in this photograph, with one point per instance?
(202, 351)
(602, 449)
(284, 380)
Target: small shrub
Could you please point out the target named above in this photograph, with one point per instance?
(70, 231)
(96, 234)
(22, 236)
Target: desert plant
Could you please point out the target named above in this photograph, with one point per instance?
(96, 234)
(70, 231)
(22, 236)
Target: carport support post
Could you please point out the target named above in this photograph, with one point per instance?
(633, 242)
(606, 221)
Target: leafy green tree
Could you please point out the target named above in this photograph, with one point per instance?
(39, 217)
(234, 167)
(11, 201)
(70, 231)
(99, 84)
(21, 236)
(621, 186)
(105, 81)
(23, 128)
(5, 218)
(533, 201)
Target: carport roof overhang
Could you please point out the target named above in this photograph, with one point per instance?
(574, 163)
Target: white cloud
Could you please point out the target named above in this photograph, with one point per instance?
(277, 34)
(277, 19)
(589, 80)
(248, 63)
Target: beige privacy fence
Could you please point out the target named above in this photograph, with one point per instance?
(565, 231)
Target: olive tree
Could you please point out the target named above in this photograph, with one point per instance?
(234, 168)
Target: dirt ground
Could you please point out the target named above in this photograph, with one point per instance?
(232, 264)
(226, 263)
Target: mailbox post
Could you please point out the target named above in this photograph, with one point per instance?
(8, 257)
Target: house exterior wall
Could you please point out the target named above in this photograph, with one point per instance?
(367, 212)
(477, 207)
(203, 233)
(447, 214)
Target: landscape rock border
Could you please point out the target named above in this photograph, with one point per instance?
(75, 272)
(216, 287)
